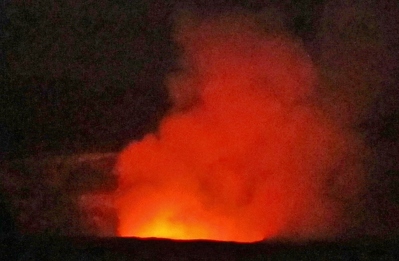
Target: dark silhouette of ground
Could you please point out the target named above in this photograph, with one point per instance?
(42, 248)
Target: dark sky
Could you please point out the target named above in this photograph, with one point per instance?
(82, 77)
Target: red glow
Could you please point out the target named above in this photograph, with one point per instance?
(249, 160)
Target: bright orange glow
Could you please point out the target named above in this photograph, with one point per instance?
(248, 158)
(165, 226)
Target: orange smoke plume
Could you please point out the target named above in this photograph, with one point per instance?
(246, 153)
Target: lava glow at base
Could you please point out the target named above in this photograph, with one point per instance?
(246, 153)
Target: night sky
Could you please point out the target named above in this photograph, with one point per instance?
(82, 77)
(88, 76)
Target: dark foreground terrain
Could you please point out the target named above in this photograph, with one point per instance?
(57, 248)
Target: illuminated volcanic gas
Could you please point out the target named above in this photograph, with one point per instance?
(246, 153)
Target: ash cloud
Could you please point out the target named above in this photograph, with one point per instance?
(252, 148)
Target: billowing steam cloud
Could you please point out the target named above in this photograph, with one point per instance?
(246, 153)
